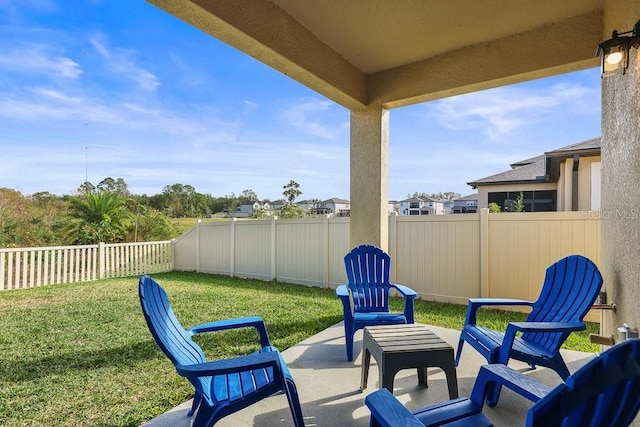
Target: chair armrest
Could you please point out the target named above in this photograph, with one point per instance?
(514, 327)
(388, 411)
(233, 365)
(405, 291)
(409, 295)
(476, 303)
(343, 292)
(522, 384)
(547, 326)
(236, 323)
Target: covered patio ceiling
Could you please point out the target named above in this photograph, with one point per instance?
(401, 52)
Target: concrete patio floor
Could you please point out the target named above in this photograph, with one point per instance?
(329, 386)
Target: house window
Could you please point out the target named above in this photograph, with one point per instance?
(414, 212)
(534, 201)
(414, 205)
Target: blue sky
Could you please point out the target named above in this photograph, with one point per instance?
(121, 89)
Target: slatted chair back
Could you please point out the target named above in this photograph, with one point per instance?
(368, 269)
(169, 334)
(570, 288)
(604, 392)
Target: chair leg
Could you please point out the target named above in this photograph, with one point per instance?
(205, 417)
(294, 402)
(494, 388)
(197, 398)
(493, 394)
(348, 336)
(459, 351)
(560, 367)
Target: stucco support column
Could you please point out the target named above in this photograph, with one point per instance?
(621, 178)
(369, 176)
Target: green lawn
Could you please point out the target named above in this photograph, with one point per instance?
(81, 354)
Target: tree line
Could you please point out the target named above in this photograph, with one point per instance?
(108, 212)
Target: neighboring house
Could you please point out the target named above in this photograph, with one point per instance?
(566, 179)
(448, 207)
(277, 204)
(245, 210)
(334, 206)
(466, 204)
(394, 206)
(308, 206)
(421, 205)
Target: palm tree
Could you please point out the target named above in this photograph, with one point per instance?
(98, 217)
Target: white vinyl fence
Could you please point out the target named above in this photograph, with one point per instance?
(30, 267)
(447, 258)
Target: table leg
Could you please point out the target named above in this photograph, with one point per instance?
(452, 379)
(386, 378)
(366, 360)
(422, 377)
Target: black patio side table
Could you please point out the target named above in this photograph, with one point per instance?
(397, 347)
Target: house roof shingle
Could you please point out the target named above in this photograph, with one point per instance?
(535, 168)
(473, 196)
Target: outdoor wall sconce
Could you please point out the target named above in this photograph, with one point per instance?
(615, 51)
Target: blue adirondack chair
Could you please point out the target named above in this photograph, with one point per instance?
(570, 288)
(604, 392)
(365, 299)
(221, 386)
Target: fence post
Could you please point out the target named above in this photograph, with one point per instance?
(272, 249)
(484, 253)
(232, 247)
(198, 246)
(393, 233)
(172, 262)
(325, 250)
(101, 260)
(2, 267)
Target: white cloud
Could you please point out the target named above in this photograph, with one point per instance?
(250, 106)
(39, 59)
(122, 62)
(56, 95)
(100, 48)
(502, 111)
(308, 116)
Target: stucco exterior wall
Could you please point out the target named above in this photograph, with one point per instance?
(621, 192)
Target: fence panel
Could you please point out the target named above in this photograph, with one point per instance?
(300, 252)
(134, 259)
(252, 249)
(338, 245)
(31, 267)
(523, 245)
(186, 250)
(215, 247)
(439, 256)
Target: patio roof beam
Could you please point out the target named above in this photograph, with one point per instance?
(262, 30)
(553, 49)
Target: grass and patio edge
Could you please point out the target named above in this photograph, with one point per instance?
(81, 354)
